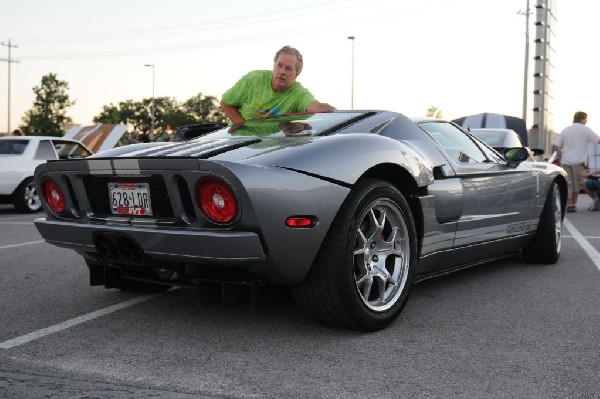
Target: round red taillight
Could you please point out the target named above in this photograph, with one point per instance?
(53, 195)
(216, 200)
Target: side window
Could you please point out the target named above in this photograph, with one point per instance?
(455, 142)
(70, 150)
(13, 147)
(45, 151)
(491, 154)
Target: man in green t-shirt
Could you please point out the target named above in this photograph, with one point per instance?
(266, 94)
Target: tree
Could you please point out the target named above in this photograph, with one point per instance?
(129, 112)
(434, 112)
(201, 108)
(167, 111)
(48, 116)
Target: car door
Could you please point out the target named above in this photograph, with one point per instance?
(497, 199)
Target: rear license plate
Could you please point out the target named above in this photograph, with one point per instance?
(130, 198)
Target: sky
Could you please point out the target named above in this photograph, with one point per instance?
(462, 56)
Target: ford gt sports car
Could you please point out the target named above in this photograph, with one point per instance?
(349, 208)
(19, 155)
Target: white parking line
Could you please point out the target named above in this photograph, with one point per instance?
(11, 343)
(16, 217)
(23, 223)
(585, 244)
(21, 244)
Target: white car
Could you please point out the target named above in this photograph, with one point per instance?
(19, 155)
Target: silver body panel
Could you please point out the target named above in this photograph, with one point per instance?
(478, 210)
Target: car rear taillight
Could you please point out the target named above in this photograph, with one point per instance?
(53, 195)
(216, 200)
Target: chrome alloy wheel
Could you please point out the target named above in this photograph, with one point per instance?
(381, 255)
(557, 220)
(31, 197)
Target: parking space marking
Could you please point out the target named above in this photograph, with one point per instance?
(21, 244)
(16, 217)
(27, 223)
(583, 243)
(11, 343)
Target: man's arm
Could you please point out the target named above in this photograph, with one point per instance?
(232, 113)
(316, 106)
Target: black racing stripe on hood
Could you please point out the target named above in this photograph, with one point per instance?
(224, 149)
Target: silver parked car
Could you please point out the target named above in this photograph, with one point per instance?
(349, 208)
(19, 155)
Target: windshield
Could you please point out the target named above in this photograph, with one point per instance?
(13, 147)
(299, 125)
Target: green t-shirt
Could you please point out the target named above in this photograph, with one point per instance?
(255, 98)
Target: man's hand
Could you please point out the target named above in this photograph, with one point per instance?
(316, 106)
(235, 127)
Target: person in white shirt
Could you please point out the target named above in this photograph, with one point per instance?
(572, 148)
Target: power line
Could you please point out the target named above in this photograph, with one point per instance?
(255, 18)
(308, 26)
(291, 21)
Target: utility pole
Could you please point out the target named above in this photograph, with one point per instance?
(10, 61)
(526, 67)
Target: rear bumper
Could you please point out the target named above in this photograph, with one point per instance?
(184, 246)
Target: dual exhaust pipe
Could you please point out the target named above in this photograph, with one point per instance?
(118, 247)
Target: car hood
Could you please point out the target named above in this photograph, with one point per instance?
(341, 157)
(235, 149)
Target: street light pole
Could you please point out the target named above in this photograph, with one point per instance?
(153, 109)
(352, 85)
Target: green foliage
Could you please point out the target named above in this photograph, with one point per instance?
(201, 108)
(434, 112)
(168, 111)
(48, 115)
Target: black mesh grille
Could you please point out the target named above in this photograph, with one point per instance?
(97, 193)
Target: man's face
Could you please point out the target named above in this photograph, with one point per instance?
(284, 72)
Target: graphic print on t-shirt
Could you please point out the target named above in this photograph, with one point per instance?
(265, 112)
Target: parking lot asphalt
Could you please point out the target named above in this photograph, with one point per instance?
(502, 330)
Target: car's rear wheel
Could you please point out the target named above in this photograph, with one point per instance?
(363, 272)
(26, 198)
(545, 246)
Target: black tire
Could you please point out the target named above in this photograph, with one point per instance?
(26, 198)
(371, 244)
(546, 244)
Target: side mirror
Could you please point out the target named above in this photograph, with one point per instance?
(515, 155)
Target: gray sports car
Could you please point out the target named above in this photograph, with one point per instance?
(349, 208)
